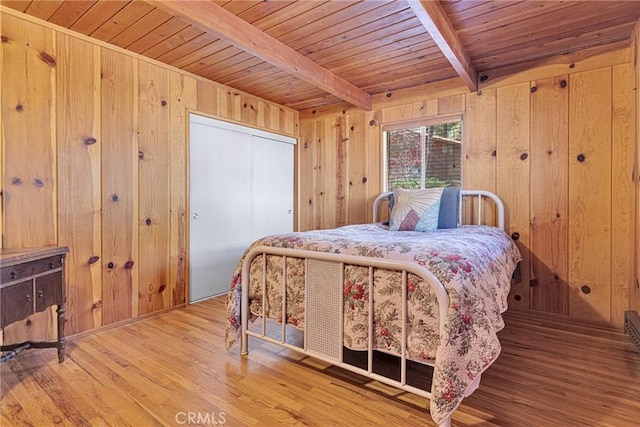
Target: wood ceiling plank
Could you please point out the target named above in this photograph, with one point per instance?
(179, 39)
(374, 56)
(19, 5)
(520, 14)
(557, 47)
(232, 64)
(343, 38)
(291, 10)
(466, 5)
(216, 20)
(435, 20)
(408, 82)
(140, 28)
(237, 7)
(125, 17)
(183, 48)
(426, 52)
(353, 26)
(263, 9)
(257, 72)
(158, 35)
(301, 21)
(292, 93)
(358, 47)
(487, 11)
(227, 51)
(95, 17)
(401, 70)
(354, 15)
(188, 52)
(311, 104)
(43, 9)
(555, 30)
(70, 12)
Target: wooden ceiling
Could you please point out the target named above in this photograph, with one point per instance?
(312, 53)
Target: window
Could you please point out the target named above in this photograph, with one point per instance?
(423, 156)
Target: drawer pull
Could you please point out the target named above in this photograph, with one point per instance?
(28, 297)
(52, 265)
(40, 293)
(14, 275)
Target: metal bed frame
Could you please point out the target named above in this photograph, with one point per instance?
(324, 281)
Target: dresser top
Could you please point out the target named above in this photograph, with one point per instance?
(13, 256)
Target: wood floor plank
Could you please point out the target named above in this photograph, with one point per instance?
(552, 372)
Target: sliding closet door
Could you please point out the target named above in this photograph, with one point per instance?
(219, 207)
(272, 187)
(240, 189)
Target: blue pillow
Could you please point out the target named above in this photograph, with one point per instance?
(449, 208)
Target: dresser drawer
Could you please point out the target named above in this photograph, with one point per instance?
(48, 291)
(16, 302)
(20, 271)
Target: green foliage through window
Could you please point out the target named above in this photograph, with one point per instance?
(425, 156)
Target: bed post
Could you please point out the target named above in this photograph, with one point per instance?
(244, 309)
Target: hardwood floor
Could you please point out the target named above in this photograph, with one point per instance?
(165, 369)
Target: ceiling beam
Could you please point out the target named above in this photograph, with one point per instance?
(435, 20)
(221, 23)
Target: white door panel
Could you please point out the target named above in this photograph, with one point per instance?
(240, 189)
(272, 187)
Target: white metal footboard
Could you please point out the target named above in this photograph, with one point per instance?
(331, 350)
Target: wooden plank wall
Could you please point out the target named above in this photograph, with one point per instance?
(556, 143)
(634, 299)
(94, 157)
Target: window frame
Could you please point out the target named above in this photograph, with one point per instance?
(431, 121)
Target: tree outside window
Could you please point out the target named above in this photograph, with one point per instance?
(424, 156)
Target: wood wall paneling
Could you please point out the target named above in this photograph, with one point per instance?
(119, 186)
(306, 176)
(522, 138)
(341, 147)
(183, 97)
(358, 169)
(154, 188)
(79, 172)
(74, 122)
(634, 297)
(326, 174)
(590, 194)
(1, 149)
(375, 176)
(549, 194)
(622, 191)
(29, 133)
(207, 98)
(512, 177)
(479, 152)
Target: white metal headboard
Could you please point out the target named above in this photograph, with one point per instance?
(463, 193)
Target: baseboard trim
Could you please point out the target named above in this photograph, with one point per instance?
(632, 327)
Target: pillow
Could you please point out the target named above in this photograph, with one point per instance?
(449, 208)
(415, 210)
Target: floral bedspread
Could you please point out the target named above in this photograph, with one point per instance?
(474, 263)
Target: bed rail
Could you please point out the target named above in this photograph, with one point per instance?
(480, 194)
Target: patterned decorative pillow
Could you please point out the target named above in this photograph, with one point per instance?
(415, 210)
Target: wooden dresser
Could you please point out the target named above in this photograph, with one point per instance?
(31, 280)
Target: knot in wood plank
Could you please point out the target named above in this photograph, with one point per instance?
(47, 59)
